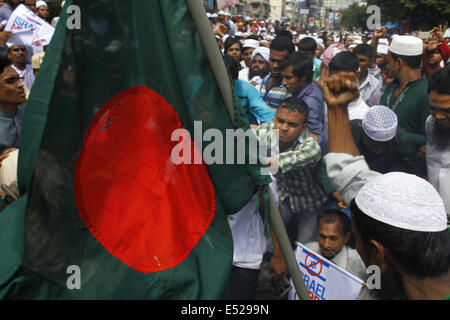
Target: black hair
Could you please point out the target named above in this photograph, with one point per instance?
(4, 60)
(303, 65)
(308, 45)
(18, 44)
(253, 37)
(421, 254)
(295, 104)
(364, 50)
(282, 43)
(333, 215)
(229, 42)
(286, 33)
(232, 66)
(344, 61)
(440, 81)
(414, 62)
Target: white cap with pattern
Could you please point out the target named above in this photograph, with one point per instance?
(406, 45)
(250, 43)
(404, 201)
(380, 123)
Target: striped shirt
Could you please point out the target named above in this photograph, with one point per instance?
(297, 168)
(275, 95)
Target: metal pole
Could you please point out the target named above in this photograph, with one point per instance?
(218, 67)
(286, 249)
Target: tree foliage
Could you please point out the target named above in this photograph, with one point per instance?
(421, 14)
(431, 12)
(354, 16)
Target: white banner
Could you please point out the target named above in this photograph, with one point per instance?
(39, 33)
(226, 3)
(323, 279)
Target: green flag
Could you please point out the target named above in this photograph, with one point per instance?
(104, 212)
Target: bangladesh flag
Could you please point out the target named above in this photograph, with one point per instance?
(105, 213)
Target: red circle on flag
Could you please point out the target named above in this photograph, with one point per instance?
(144, 209)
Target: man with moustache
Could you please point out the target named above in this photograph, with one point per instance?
(18, 55)
(438, 135)
(247, 49)
(334, 229)
(272, 89)
(259, 67)
(407, 96)
(398, 219)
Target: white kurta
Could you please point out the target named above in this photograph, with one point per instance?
(438, 166)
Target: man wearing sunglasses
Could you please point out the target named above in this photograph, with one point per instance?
(12, 95)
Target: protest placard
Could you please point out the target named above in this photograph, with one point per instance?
(29, 29)
(324, 280)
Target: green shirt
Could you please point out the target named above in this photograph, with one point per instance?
(412, 108)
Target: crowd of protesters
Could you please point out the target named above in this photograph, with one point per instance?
(395, 92)
(362, 166)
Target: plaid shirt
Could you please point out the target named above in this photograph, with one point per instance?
(275, 95)
(297, 167)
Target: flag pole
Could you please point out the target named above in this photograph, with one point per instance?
(214, 55)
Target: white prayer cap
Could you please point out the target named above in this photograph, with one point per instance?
(352, 46)
(382, 49)
(251, 43)
(208, 14)
(447, 33)
(41, 3)
(225, 37)
(380, 123)
(239, 34)
(263, 52)
(248, 19)
(384, 41)
(406, 45)
(269, 37)
(214, 15)
(221, 13)
(294, 33)
(357, 42)
(404, 201)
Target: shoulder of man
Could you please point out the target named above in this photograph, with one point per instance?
(355, 264)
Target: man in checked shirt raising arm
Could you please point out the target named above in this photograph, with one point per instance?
(294, 156)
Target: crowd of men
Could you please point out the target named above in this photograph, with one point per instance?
(361, 129)
(348, 108)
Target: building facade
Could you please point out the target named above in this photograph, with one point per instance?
(277, 9)
(258, 8)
